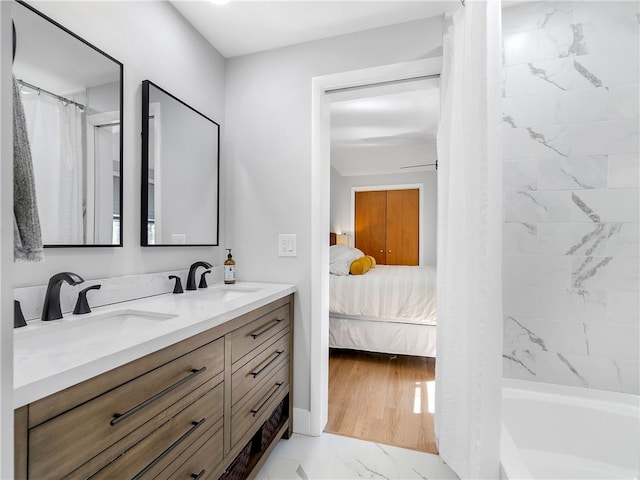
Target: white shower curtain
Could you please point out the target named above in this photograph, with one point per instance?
(55, 132)
(469, 340)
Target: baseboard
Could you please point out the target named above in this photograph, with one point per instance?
(301, 421)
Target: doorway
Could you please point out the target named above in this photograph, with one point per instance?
(317, 417)
(321, 166)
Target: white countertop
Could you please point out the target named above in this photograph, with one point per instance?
(71, 359)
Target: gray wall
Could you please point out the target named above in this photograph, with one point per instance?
(341, 200)
(150, 39)
(103, 98)
(6, 245)
(268, 144)
(571, 194)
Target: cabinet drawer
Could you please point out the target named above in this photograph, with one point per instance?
(203, 458)
(254, 334)
(169, 441)
(257, 369)
(258, 405)
(106, 419)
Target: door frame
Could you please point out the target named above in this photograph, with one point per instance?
(317, 417)
(376, 188)
(94, 189)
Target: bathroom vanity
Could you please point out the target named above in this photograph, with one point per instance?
(205, 394)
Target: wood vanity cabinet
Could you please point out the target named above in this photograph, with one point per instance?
(209, 407)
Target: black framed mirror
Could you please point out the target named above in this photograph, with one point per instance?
(72, 96)
(180, 172)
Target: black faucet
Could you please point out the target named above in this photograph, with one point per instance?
(51, 308)
(203, 279)
(177, 288)
(82, 304)
(18, 317)
(191, 279)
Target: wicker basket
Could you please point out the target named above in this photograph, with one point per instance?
(271, 425)
(238, 469)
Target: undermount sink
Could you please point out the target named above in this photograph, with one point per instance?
(120, 317)
(229, 293)
(74, 330)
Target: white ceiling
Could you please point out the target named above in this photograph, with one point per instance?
(54, 60)
(385, 129)
(379, 130)
(243, 26)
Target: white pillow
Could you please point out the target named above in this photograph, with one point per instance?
(335, 251)
(340, 258)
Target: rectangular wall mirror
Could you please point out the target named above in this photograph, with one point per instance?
(180, 172)
(72, 97)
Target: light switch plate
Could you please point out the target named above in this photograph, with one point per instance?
(287, 245)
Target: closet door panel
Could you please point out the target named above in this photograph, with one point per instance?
(402, 238)
(370, 227)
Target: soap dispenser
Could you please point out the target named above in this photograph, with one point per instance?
(229, 269)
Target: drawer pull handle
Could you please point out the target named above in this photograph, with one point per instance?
(118, 417)
(168, 450)
(273, 323)
(196, 476)
(273, 359)
(257, 409)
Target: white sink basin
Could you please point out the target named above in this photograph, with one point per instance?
(73, 332)
(228, 294)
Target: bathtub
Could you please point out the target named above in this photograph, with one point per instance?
(560, 432)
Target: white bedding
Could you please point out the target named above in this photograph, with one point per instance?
(385, 337)
(386, 293)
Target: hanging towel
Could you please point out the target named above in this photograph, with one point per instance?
(27, 245)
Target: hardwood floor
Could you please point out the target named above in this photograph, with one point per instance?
(382, 398)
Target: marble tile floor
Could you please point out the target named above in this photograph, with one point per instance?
(335, 457)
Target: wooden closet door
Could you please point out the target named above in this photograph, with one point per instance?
(370, 227)
(402, 239)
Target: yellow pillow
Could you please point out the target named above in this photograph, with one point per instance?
(360, 266)
(373, 261)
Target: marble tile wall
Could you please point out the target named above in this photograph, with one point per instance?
(571, 178)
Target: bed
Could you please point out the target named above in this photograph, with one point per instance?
(389, 309)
